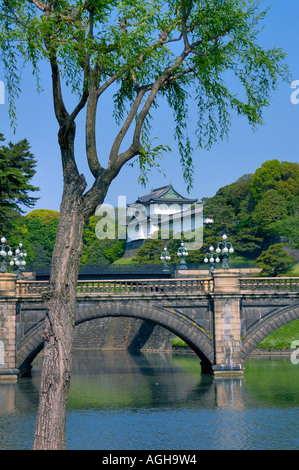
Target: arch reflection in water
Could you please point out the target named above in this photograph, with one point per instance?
(119, 400)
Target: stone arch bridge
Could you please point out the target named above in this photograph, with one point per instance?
(222, 318)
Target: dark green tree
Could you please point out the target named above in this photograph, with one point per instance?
(271, 207)
(17, 168)
(93, 254)
(229, 210)
(282, 177)
(115, 251)
(103, 251)
(150, 251)
(274, 260)
(289, 229)
(275, 189)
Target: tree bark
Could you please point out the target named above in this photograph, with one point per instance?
(61, 303)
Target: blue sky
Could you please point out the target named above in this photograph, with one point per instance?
(243, 153)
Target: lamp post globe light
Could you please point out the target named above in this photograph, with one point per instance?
(225, 247)
(17, 260)
(3, 254)
(182, 252)
(213, 258)
(165, 256)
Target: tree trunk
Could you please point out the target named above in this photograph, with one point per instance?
(61, 304)
(60, 301)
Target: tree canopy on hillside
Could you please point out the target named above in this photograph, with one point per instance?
(256, 208)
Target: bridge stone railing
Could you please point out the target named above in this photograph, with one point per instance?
(31, 287)
(122, 287)
(162, 286)
(290, 284)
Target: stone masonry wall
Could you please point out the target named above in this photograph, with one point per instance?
(7, 334)
(121, 333)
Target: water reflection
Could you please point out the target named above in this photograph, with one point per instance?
(273, 382)
(149, 401)
(122, 380)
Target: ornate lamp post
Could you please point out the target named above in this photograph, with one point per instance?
(224, 247)
(165, 256)
(213, 258)
(182, 252)
(18, 260)
(3, 254)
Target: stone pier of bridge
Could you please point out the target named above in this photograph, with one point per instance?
(8, 303)
(227, 323)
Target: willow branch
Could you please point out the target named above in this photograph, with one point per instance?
(117, 161)
(40, 5)
(59, 107)
(14, 16)
(184, 22)
(173, 78)
(131, 115)
(90, 138)
(66, 134)
(80, 105)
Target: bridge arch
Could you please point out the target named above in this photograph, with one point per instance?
(179, 324)
(266, 325)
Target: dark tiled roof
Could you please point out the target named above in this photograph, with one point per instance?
(156, 195)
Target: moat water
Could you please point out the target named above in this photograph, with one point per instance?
(155, 401)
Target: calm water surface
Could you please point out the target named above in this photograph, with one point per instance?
(154, 401)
